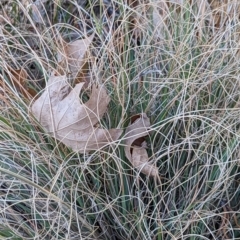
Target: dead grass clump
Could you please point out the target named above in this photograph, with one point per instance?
(176, 63)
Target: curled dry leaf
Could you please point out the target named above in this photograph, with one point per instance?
(18, 79)
(139, 161)
(73, 55)
(138, 155)
(60, 112)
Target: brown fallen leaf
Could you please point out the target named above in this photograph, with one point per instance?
(18, 79)
(137, 155)
(60, 112)
(139, 161)
(73, 55)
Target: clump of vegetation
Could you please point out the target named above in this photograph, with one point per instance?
(177, 63)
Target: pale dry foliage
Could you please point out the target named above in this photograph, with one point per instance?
(137, 155)
(159, 80)
(59, 111)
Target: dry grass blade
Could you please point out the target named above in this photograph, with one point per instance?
(178, 63)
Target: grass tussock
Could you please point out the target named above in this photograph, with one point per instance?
(182, 70)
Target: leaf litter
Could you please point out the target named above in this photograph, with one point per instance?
(73, 123)
(18, 79)
(136, 154)
(60, 112)
(73, 54)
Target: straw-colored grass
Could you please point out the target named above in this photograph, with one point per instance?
(184, 74)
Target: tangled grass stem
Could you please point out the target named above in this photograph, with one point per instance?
(177, 62)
